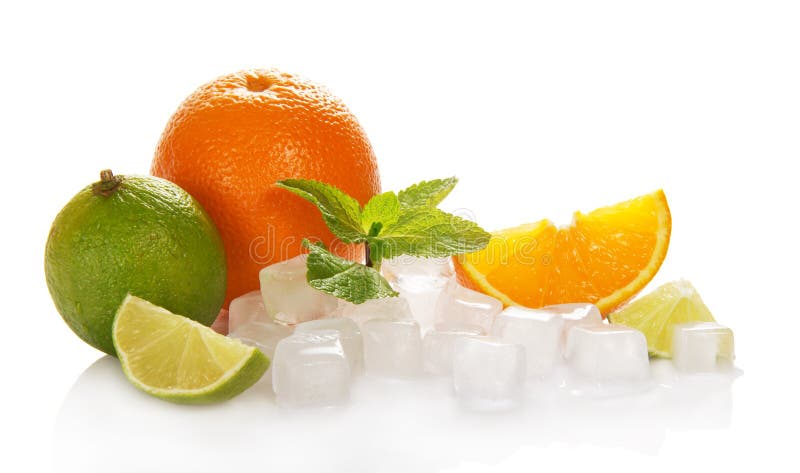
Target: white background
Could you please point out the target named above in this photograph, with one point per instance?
(539, 110)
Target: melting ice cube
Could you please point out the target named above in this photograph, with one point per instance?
(249, 322)
(437, 346)
(392, 348)
(392, 308)
(311, 369)
(419, 281)
(488, 373)
(349, 336)
(462, 306)
(246, 309)
(702, 347)
(539, 331)
(262, 335)
(607, 353)
(406, 266)
(288, 298)
(575, 314)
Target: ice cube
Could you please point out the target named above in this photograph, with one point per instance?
(220, 324)
(349, 336)
(392, 308)
(412, 266)
(311, 369)
(419, 281)
(488, 373)
(260, 333)
(288, 298)
(459, 305)
(539, 331)
(437, 346)
(605, 354)
(702, 347)
(575, 314)
(422, 301)
(392, 348)
(245, 309)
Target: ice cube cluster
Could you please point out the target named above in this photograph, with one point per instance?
(320, 345)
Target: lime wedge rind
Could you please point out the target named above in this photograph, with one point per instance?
(134, 314)
(654, 314)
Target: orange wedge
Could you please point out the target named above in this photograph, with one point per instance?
(604, 257)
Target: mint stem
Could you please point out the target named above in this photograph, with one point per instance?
(368, 260)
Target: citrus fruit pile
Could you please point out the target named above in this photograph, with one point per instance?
(140, 266)
(195, 236)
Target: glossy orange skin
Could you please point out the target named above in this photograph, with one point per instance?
(233, 138)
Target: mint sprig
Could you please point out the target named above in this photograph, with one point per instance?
(390, 225)
(343, 278)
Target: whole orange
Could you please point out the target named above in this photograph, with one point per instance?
(234, 137)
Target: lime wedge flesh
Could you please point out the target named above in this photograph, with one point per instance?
(654, 314)
(179, 360)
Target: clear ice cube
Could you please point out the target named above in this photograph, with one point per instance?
(575, 314)
(311, 369)
(262, 335)
(607, 353)
(702, 347)
(349, 336)
(539, 331)
(419, 281)
(488, 373)
(246, 309)
(288, 298)
(410, 266)
(462, 306)
(392, 348)
(438, 343)
(392, 308)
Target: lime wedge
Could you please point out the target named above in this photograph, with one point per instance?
(177, 359)
(654, 314)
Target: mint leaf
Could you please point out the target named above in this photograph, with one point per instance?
(343, 278)
(341, 212)
(427, 193)
(383, 209)
(429, 232)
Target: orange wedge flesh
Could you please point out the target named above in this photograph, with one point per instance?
(604, 257)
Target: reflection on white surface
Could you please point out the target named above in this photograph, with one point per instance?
(105, 424)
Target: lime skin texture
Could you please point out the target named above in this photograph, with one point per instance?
(133, 234)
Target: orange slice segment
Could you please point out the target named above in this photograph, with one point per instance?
(604, 257)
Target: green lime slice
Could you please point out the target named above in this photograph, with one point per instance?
(654, 314)
(177, 359)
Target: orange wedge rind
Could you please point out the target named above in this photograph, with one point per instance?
(604, 257)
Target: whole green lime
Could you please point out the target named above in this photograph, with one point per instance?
(133, 234)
